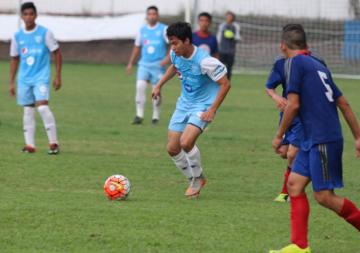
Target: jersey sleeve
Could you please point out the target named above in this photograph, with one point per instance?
(138, 40)
(237, 31)
(51, 42)
(14, 50)
(213, 68)
(172, 56)
(165, 36)
(294, 75)
(274, 79)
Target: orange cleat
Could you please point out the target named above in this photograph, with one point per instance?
(196, 184)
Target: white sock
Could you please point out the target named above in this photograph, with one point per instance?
(29, 125)
(49, 123)
(195, 161)
(156, 108)
(182, 164)
(140, 97)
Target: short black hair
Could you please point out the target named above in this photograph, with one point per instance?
(294, 36)
(205, 14)
(28, 5)
(232, 14)
(180, 30)
(152, 7)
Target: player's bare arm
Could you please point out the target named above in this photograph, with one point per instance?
(279, 100)
(166, 60)
(224, 89)
(58, 65)
(351, 120)
(14, 64)
(134, 55)
(170, 73)
(290, 112)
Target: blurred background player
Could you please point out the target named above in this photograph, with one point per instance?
(151, 43)
(204, 87)
(203, 37)
(31, 47)
(228, 35)
(313, 95)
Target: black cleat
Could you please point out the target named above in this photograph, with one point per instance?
(155, 121)
(137, 120)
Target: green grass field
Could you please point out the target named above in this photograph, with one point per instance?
(56, 203)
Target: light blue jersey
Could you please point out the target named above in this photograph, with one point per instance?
(34, 51)
(153, 43)
(199, 75)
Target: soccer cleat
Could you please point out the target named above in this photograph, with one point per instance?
(28, 149)
(292, 248)
(54, 149)
(196, 184)
(155, 121)
(137, 120)
(282, 197)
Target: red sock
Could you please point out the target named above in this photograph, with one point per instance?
(299, 214)
(286, 177)
(350, 213)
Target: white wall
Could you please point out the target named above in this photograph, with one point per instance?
(329, 9)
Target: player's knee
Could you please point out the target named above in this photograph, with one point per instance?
(293, 188)
(186, 145)
(172, 149)
(322, 198)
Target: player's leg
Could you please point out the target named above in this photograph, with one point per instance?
(140, 94)
(283, 196)
(327, 162)
(42, 93)
(299, 215)
(156, 75)
(176, 127)
(26, 99)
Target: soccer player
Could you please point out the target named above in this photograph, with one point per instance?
(151, 43)
(313, 95)
(30, 50)
(204, 87)
(228, 35)
(203, 37)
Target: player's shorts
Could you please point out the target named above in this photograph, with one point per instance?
(180, 119)
(322, 164)
(152, 74)
(294, 135)
(29, 94)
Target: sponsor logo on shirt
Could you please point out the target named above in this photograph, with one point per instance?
(146, 42)
(188, 88)
(218, 70)
(24, 50)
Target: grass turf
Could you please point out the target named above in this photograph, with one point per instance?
(56, 203)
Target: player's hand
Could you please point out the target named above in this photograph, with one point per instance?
(129, 68)
(357, 147)
(208, 116)
(57, 83)
(280, 103)
(276, 143)
(163, 63)
(12, 90)
(156, 92)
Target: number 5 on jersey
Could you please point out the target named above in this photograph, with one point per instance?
(329, 93)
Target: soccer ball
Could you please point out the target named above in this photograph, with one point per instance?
(117, 187)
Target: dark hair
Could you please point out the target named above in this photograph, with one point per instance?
(28, 5)
(180, 30)
(294, 36)
(232, 14)
(205, 14)
(152, 7)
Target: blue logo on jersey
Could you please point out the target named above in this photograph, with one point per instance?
(188, 88)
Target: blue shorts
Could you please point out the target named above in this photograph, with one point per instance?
(322, 164)
(181, 118)
(29, 94)
(294, 135)
(151, 74)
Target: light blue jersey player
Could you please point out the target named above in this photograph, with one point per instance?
(204, 85)
(151, 44)
(30, 51)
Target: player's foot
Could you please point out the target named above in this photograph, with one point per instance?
(54, 149)
(282, 197)
(155, 121)
(137, 120)
(196, 184)
(28, 149)
(292, 248)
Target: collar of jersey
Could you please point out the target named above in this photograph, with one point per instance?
(192, 55)
(152, 27)
(33, 30)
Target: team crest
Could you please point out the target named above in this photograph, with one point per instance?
(38, 39)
